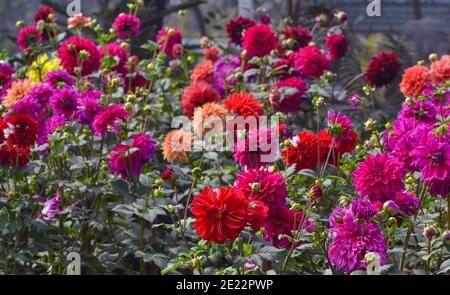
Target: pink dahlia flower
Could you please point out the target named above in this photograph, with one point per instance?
(167, 40)
(379, 177)
(127, 26)
(310, 62)
(433, 158)
(110, 119)
(259, 41)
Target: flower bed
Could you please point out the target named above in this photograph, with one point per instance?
(165, 163)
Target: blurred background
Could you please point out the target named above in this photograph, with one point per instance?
(411, 28)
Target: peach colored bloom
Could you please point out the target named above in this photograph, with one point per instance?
(19, 89)
(207, 117)
(79, 20)
(176, 146)
(440, 70)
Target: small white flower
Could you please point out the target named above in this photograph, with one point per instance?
(295, 141)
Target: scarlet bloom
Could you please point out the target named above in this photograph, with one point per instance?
(414, 80)
(299, 35)
(382, 69)
(243, 104)
(43, 13)
(19, 129)
(257, 213)
(127, 26)
(197, 95)
(69, 53)
(236, 27)
(310, 62)
(259, 41)
(211, 54)
(440, 70)
(203, 72)
(27, 37)
(220, 214)
(302, 152)
(337, 46)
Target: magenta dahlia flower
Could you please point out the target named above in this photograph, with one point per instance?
(127, 26)
(407, 202)
(28, 37)
(71, 54)
(41, 94)
(125, 161)
(65, 102)
(49, 126)
(259, 41)
(283, 222)
(114, 49)
(59, 79)
(28, 105)
(167, 40)
(89, 106)
(349, 244)
(341, 128)
(379, 177)
(421, 111)
(224, 69)
(146, 146)
(310, 62)
(433, 158)
(265, 186)
(110, 119)
(255, 150)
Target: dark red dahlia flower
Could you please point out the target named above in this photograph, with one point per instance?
(236, 27)
(43, 13)
(14, 156)
(337, 46)
(299, 35)
(220, 214)
(382, 69)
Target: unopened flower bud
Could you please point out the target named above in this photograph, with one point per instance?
(296, 207)
(315, 192)
(20, 24)
(446, 237)
(391, 208)
(371, 257)
(197, 172)
(369, 125)
(84, 55)
(433, 57)
(168, 175)
(344, 201)
(429, 232)
(255, 187)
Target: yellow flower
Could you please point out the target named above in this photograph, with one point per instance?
(41, 66)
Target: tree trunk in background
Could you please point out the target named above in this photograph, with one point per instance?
(417, 7)
(246, 8)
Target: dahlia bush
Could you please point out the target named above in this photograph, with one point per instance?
(117, 157)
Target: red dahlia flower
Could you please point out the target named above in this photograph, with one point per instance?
(336, 45)
(299, 35)
(310, 62)
(259, 41)
(197, 95)
(19, 129)
(302, 152)
(243, 104)
(43, 13)
(220, 214)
